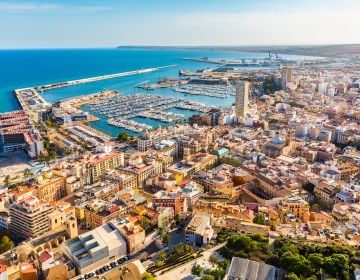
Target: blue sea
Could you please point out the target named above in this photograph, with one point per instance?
(25, 68)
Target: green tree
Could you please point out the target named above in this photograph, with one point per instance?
(218, 273)
(123, 137)
(46, 145)
(329, 266)
(6, 244)
(315, 207)
(242, 242)
(259, 219)
(177, 218)
(27, 173)
(296, 263)
(162, 256)
(144, 222)
(159, 263)
(223, 264)
(196, 270)
(45, 159)
(182, 249)
(166, 238)
(207, 277)
(306, 249)
(285, 244)
(291, 276)
(84, 145)
(7, 181)
(52, 154)
(213, 259)
(149, 276)
(337, 265)
(231, 161)
(309, 187)
(316, 259)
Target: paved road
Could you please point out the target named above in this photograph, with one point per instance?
(183, 272)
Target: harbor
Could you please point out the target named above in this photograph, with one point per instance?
(121, 110)
(221, 91)
(32, 102)
(192, 88)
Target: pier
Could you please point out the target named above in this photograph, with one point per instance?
(32, 102)
(100, 78)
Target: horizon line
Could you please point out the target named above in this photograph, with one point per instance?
(182, 46)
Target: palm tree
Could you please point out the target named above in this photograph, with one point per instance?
(27, 173)
(7, 181)
(45, 159)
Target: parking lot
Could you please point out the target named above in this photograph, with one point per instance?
(105, 268)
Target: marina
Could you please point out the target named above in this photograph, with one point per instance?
(221, 91)
(122, 109)
(129, 125)
(32, 102)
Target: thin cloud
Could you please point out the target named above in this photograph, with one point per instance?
(91, 9)
(37, 7)
(23, 7)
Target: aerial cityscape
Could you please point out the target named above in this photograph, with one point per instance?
(193, 140)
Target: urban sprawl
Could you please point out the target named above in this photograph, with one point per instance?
(267, 188)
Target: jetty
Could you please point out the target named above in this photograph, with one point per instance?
(100, 78)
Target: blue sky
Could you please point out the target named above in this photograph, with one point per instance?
(108, 23)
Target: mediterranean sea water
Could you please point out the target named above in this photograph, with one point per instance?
(25, 68)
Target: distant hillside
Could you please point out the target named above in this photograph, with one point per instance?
(352, 50)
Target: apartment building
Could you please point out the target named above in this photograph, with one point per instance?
(134, 235)
(17, 133)
(102, 162)
(169, 199)
(29, 217)
(298, 207)
(51, 186)
(199, 231)
(272, 186)
(143, 171)
(217, 210)
(126, 180)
